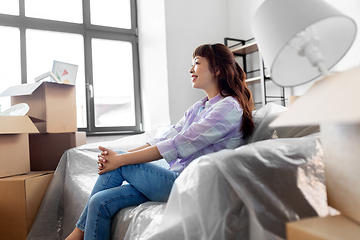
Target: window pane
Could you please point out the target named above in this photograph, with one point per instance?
(111, 13)
(64, 10)
(113, 83)
(9, 7)
(43, 47)
(9, 61)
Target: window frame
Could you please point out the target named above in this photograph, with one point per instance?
(88, 31)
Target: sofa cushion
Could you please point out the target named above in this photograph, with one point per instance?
(265, 115)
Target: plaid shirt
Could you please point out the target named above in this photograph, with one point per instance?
(207, 127)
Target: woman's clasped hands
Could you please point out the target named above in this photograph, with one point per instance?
(108, 160)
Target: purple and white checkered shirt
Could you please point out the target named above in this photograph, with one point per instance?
(207, 127)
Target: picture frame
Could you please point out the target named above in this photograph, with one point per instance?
(65, 72)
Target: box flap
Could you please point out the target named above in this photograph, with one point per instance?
(333, 99)
(26, 176)
(20, 90)
(36, 120)
(16, 124)
(26, 89)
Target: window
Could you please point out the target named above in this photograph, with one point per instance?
(99, 36)
(9, 61)
(112, 66)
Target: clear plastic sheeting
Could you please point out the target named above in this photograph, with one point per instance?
(246, 193)
(71, 185)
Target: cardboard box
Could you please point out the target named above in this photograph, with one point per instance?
(292, 99)
(20, 199)
(53, 103)
(341, 144)
(333, 103)
(323, 228)
(14, 144)
(46, 149)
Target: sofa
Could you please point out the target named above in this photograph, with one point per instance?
(245, 193)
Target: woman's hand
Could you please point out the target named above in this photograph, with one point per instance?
(108, 160)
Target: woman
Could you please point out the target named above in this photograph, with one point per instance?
(223, 119)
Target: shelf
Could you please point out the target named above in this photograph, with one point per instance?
(253, 80)
(256, 79)
(242, 48)
(245, 49)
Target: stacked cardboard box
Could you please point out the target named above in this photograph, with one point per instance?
(54, 107)
(14, 144)
(20, 200)
(30, 149)
(21, 191)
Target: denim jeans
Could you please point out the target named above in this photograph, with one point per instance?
(147, 182)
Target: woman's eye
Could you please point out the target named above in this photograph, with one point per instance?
(196, 63)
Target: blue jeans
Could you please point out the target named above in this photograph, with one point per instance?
(147, 182)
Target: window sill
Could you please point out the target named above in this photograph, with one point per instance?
(98, 134)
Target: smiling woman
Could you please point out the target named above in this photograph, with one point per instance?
(219, 121)
(230, 79)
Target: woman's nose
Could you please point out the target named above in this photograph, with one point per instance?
(191, 69)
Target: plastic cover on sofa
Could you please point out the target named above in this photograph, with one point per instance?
(247, 193)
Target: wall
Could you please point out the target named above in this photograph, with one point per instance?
(189, 24)
(241, 13)
(153, 63)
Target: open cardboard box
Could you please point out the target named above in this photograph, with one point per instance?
(53, 103)
(46, 149)
(337, 227)
(20, 200)
(14, 144)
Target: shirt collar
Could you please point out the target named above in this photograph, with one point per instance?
(212, 101)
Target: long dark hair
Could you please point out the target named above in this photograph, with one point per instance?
(231, 80)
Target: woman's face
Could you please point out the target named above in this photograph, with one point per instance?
(201, 76)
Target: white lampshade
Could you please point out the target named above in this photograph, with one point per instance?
(277, 22)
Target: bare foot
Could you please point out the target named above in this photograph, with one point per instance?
(77, 234)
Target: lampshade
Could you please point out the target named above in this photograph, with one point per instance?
(277, 22)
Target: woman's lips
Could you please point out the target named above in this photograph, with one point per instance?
(193, 77)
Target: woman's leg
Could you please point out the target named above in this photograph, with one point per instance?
(146, 182)
(104, 181)
(104, 205)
